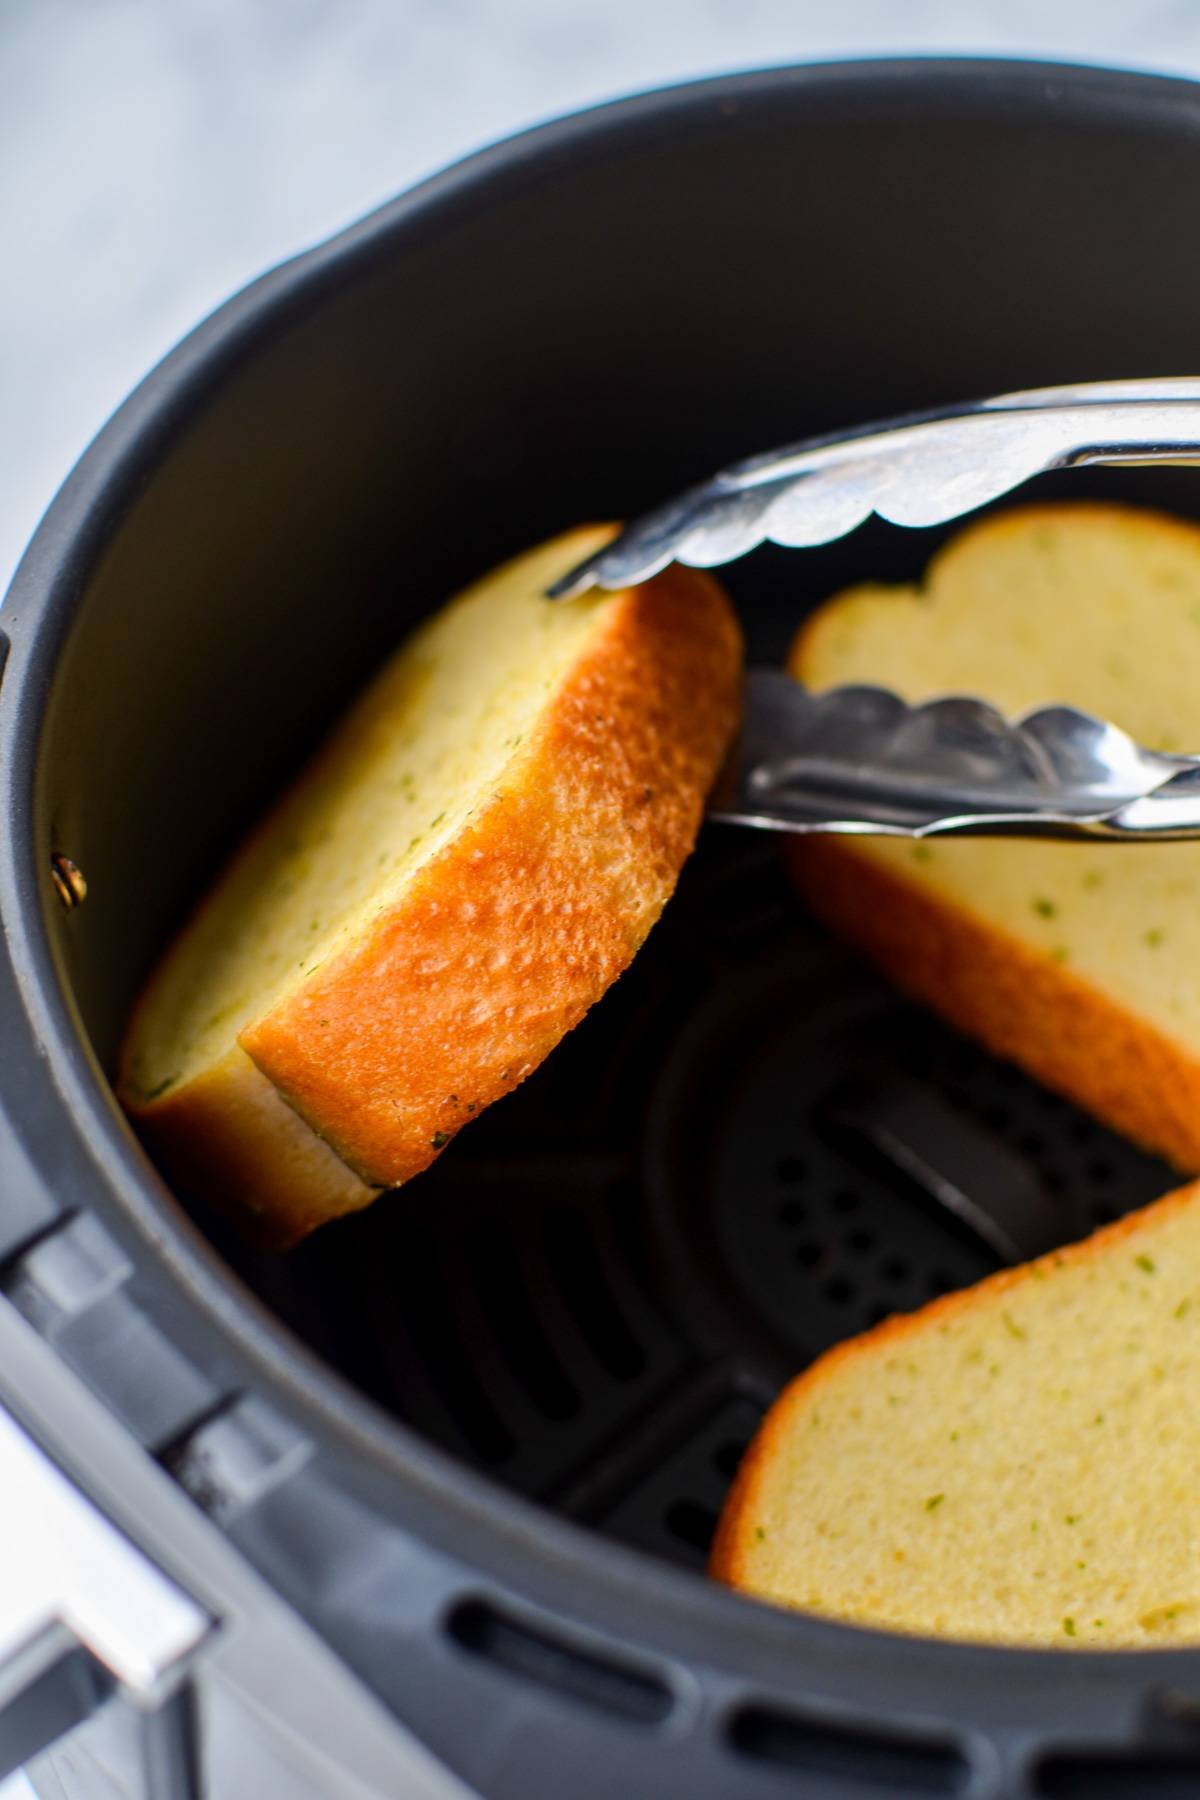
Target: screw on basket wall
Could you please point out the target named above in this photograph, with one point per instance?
(70, 884)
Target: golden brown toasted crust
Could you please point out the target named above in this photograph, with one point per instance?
(730, 1553)
(228, 1133)
(539, 904)
(497, 947)
(1020, 1004)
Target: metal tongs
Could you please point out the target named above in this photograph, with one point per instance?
(860, 759)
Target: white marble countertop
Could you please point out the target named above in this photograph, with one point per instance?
(157, 154)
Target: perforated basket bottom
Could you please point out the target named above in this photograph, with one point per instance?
(601, 1285)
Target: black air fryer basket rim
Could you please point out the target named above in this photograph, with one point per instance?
(509, 1542)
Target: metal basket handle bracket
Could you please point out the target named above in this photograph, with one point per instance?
(84, 1615)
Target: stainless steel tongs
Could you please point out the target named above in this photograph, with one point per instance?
(859, 759)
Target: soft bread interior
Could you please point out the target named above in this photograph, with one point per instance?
(1015, 1463)
(1095, 606)
(428, 741)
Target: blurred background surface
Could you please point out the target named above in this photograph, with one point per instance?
(157, 154)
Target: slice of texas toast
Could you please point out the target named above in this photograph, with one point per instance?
(1016, 1462)
(475, 854)
(1081, 963)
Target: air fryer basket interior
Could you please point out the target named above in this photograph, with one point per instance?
(601, 1284)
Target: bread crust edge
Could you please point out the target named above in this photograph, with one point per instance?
(1018, 1002)
(229, 1132)
(731, 1552)
(661, 681)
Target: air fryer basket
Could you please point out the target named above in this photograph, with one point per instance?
(478, 1437)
